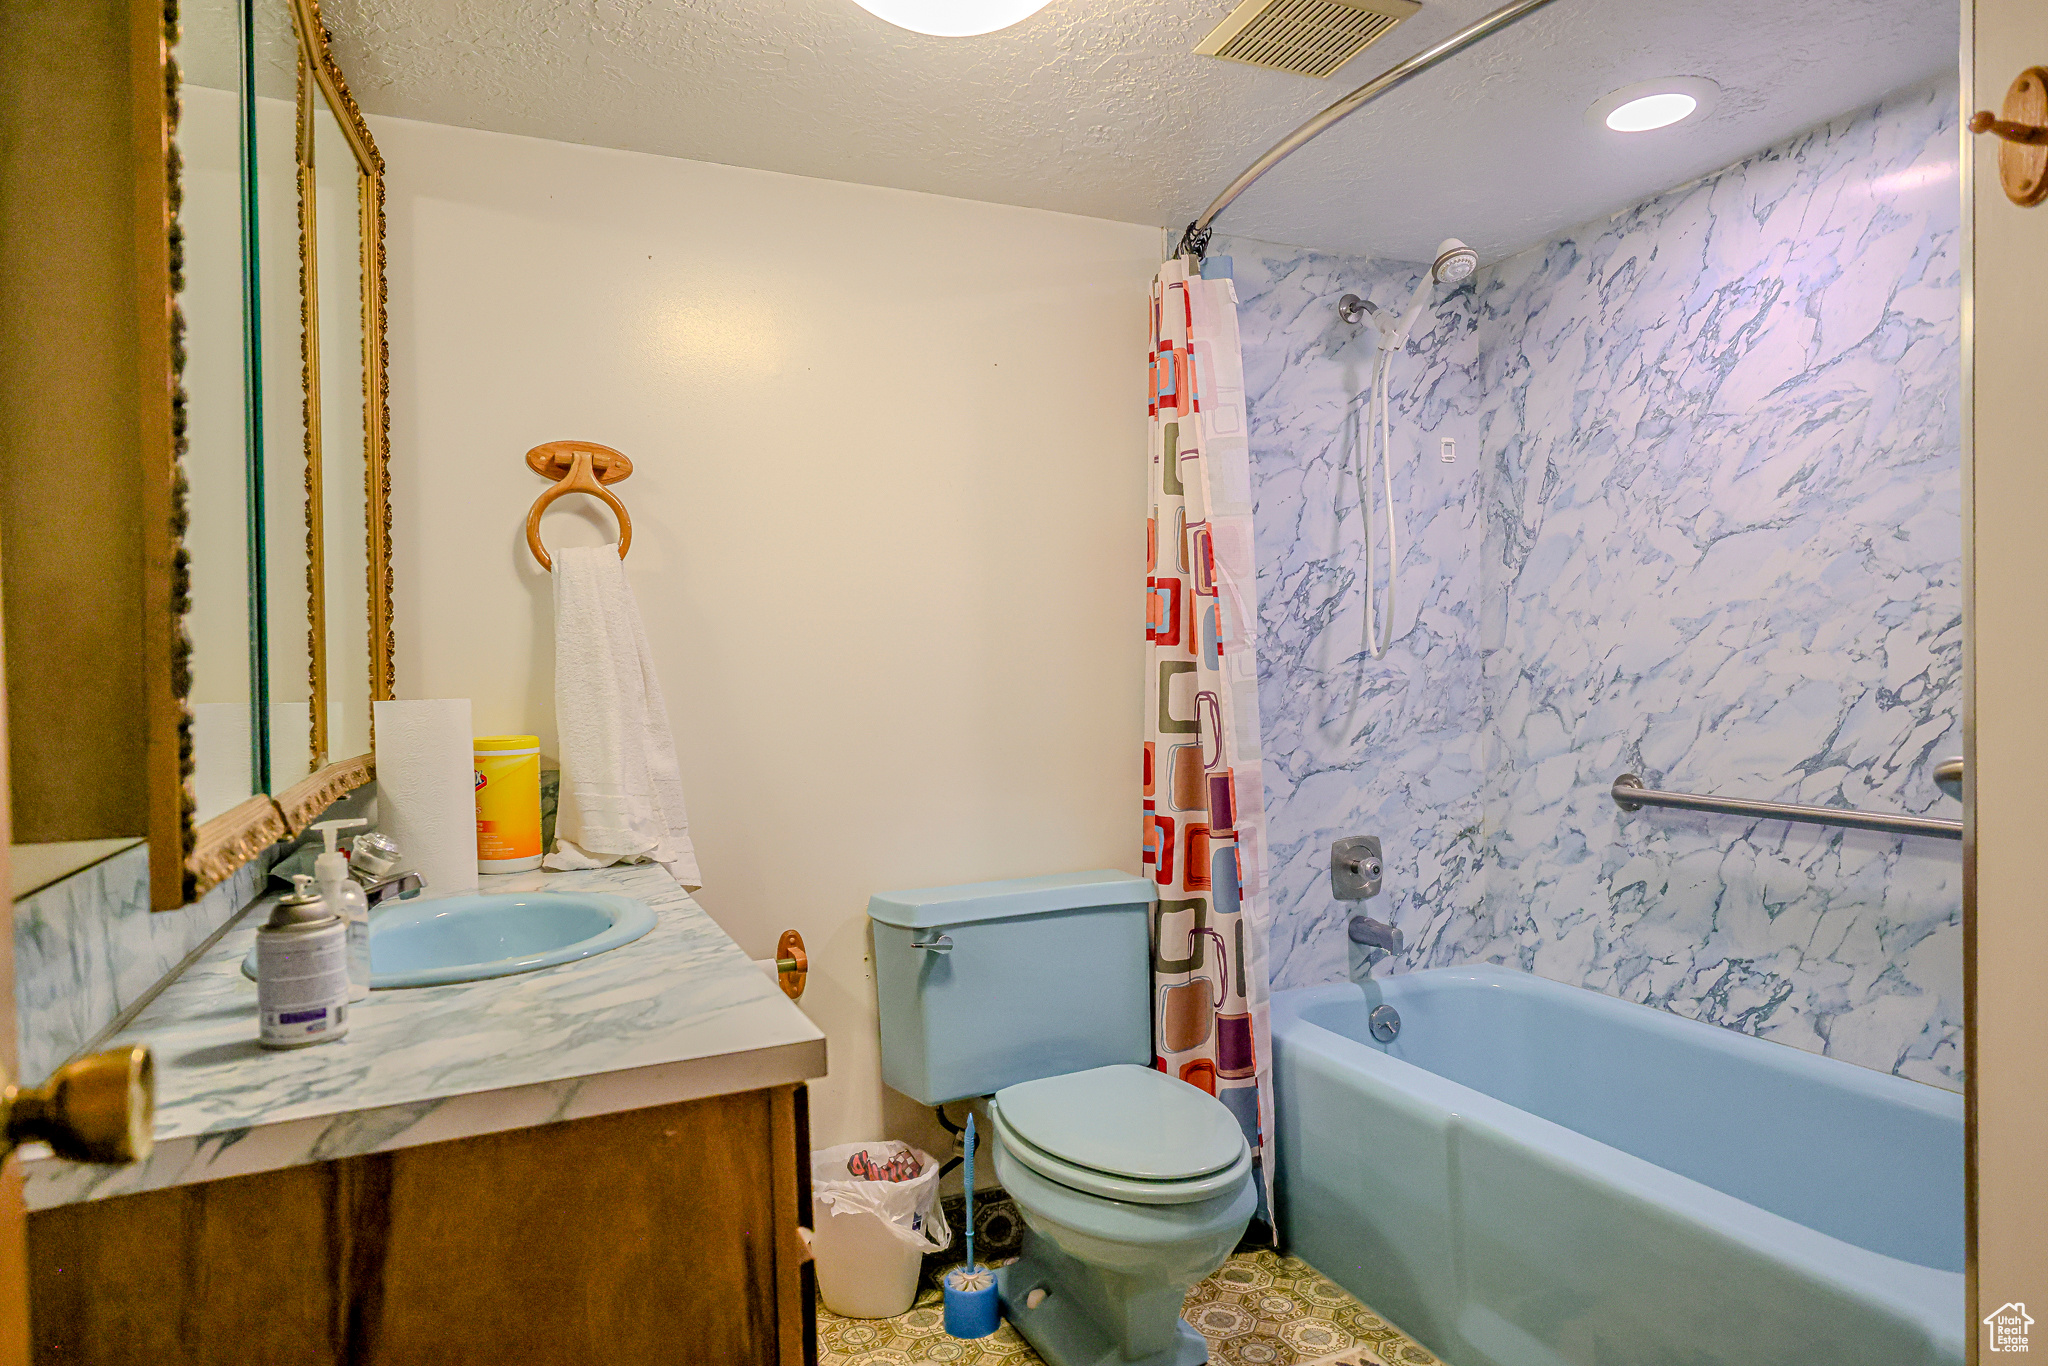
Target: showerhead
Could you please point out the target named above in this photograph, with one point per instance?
(1454, 261)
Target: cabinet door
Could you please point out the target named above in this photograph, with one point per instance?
(667, 1234)
(13, 1240)
(796, 1276)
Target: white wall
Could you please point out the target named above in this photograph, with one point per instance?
(888, 514)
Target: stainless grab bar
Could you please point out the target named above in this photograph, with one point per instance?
(1630, 795)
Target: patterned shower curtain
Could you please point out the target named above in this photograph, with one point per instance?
(1205, 822)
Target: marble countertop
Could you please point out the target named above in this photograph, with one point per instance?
(678, 1014)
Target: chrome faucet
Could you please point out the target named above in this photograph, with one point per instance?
(1376, 937)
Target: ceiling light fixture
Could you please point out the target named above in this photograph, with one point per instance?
(953, 18)
(1651, 111)
(1653, 104)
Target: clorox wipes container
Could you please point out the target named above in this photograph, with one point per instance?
(507, 803)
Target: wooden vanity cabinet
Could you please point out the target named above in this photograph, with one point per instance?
(667, 1234)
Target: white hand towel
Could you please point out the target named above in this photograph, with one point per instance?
(622, 792)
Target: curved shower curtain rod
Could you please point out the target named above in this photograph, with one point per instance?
(1195, 240)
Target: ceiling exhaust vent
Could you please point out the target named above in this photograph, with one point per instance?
(1305, 37)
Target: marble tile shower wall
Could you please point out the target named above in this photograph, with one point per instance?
(1393, 747)
(1704, 525)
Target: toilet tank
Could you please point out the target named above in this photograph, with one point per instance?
(1031, 977)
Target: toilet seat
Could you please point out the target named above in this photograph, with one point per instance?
(1123, 1132)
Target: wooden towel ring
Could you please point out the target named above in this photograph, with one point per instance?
(577, 467)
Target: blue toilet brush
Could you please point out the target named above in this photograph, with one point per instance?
(970, 1290)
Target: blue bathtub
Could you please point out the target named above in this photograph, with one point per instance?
(1534, 1174)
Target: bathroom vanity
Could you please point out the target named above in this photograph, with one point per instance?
(605, 1160)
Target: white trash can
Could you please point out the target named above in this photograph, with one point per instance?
(869, 1237)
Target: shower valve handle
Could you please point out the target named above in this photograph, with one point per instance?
(1356, 867)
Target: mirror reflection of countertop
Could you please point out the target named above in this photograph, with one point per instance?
(676, 1015)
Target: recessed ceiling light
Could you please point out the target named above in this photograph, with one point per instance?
(1653, 104)
(952, 18)
(1651, 111)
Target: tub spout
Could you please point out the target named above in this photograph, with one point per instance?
(1376, 937)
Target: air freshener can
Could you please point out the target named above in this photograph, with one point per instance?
(507, 803)
(301, 976)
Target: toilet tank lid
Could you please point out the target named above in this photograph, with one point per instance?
(930, 907)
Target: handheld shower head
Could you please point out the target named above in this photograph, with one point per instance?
(1454, 261)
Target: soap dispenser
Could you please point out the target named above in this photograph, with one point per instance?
(344, 897)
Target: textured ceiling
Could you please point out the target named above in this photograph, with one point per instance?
(1099, 107)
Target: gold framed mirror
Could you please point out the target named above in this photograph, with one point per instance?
(322, 744)
(323, 495)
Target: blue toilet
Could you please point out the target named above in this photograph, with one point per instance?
(1035, 993)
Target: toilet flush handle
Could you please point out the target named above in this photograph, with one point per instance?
(942, 943)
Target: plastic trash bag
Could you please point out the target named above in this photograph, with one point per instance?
(910, 1208)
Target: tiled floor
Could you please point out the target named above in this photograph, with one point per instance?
(1261, 1309)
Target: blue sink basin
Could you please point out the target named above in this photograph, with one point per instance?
(469, 938)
